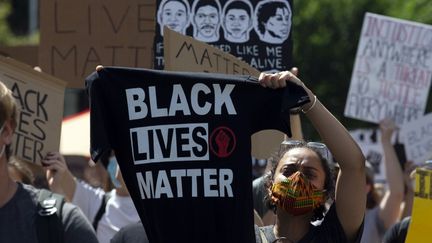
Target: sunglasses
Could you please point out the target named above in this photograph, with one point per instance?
(315, 146)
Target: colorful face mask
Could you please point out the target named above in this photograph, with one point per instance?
(112, 170)
(296, 195)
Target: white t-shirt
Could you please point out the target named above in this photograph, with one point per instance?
(119, 211)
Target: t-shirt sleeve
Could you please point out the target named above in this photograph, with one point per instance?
(99, 144)
(76, 227)
(88, 199)
(272, 107)
(331, 228)
(397, 233)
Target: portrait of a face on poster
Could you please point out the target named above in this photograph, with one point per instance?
(258, 32)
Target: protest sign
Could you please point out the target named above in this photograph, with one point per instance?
(370, 144)
(419, 228)
(241, 28)
(183, 53)
(75, 36)
(392, 71)
(25, 54)
(39, 98)
(418, 139)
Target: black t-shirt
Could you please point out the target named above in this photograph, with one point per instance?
(330, 230)
(183, 145)
(398, 232)
(133, 233)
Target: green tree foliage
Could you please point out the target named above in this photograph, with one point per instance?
(326, 35)
(4, 28)
(7, 37)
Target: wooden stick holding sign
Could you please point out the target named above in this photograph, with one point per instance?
(40, 99)
(183, 53)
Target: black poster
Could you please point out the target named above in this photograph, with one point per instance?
(182, 141)
(258, 32)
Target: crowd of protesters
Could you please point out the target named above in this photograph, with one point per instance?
(344, 205)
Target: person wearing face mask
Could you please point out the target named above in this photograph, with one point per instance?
(300, 182)
(108, 211)
(24, 217)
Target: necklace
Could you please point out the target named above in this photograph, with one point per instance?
(282, 239)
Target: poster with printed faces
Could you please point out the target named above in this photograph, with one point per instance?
(258, 32)
(392, 71)
(418, 139)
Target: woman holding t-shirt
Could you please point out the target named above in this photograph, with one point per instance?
(300, 183)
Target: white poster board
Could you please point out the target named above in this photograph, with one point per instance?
(370, 144)
(417, 137)
(392, 70)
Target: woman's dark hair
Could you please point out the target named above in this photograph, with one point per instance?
(329, 184)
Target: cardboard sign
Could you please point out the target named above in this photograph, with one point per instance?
(257, 31)
(25, 54)
(75, 36)
(39, 98)
(183, 53)
(392, 71)
(419, 228)
(418, 139)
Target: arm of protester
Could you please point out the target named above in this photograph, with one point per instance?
(390, 203)
(350, 201)
(296, 128)
(409, 180)
(60, 179)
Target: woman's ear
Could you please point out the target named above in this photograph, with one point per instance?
(7, 133)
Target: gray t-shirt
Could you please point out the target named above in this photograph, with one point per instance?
(17, 219)
(374, 227)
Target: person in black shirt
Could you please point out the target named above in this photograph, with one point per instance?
(300, 183)
(398, 232)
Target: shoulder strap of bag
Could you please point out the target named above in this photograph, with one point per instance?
(101, 210)
(49, 226)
